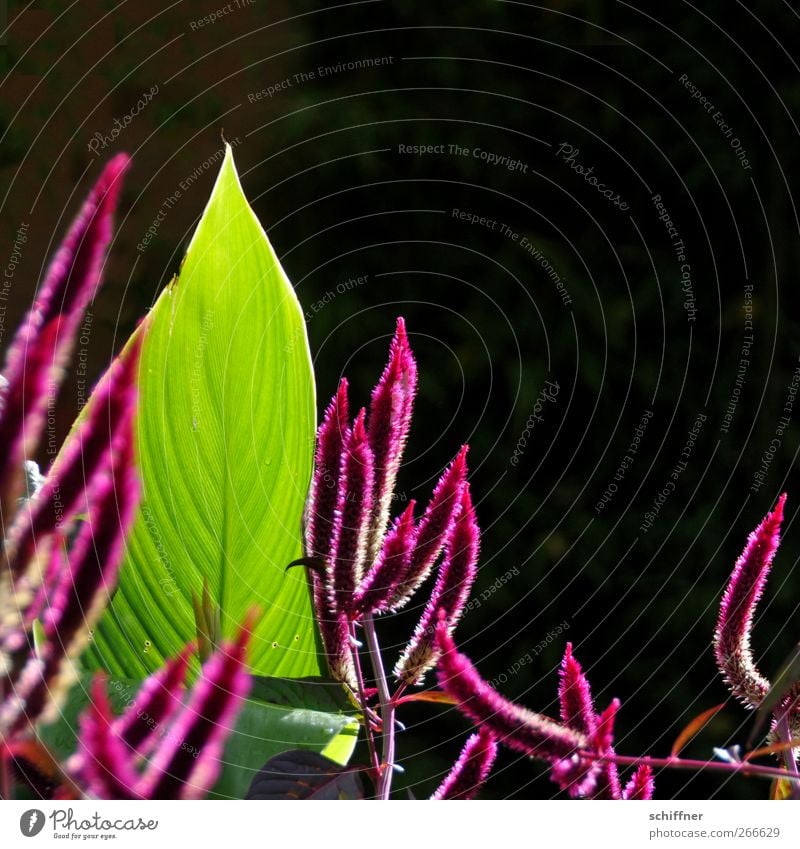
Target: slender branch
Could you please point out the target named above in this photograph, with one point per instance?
(373, 752)
(387, 709)
(742, 767)
(5, 774)
(784, 733)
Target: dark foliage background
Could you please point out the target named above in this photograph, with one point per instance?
(322, 161)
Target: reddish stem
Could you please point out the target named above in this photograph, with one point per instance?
(373, 752)
(743, 767)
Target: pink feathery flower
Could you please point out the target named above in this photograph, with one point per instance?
(184, 750)
(732, 636)
(43, 343)
(457, 573)
(577, 711)
(108, 421)
(432, 530)
(572, 753)
(352, 517)
(321, 524)
(187, 761)
(389, 421)
(157, 701)
(575, 696)
(86, 576)
(393, 560)
(641, 784)
(514, 726)
(607, 784)
(471, 769)
(324, 492)
(103, 762)
(58, 568)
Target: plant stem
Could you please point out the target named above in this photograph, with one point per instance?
(785, 735)
(744, 767)
(5, 777)
(387, 709)
(373, 752)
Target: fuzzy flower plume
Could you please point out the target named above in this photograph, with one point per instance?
(42, 345)
(362, 563)
(177, 753)
(732, 648)
(514, 726)
(390, 411)
(471, 769)
(573, 747)
(457, 572)
(641, 785)
(63, 544)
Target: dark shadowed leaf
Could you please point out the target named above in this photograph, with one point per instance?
(305, 775)
(314, 693)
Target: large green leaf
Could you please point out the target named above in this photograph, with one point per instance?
(315, 721)
(225, 433)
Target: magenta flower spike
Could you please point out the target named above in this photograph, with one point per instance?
(514, 726)
(575, 696)
(641, 784)
(457, 573)
(186, 749)
(352, 518)
(432, 530)
(471, 769)
(45, 339)
(103, 763)
(187, 762)
(87, 574)
(389, 421)
(732, 636)
(577, 711)
(324, 492)
(607, 784)
(322, 522)
(95, 556)
(108, 422)
(393, 562)
(157, 701)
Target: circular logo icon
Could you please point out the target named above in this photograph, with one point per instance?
(31, 822)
